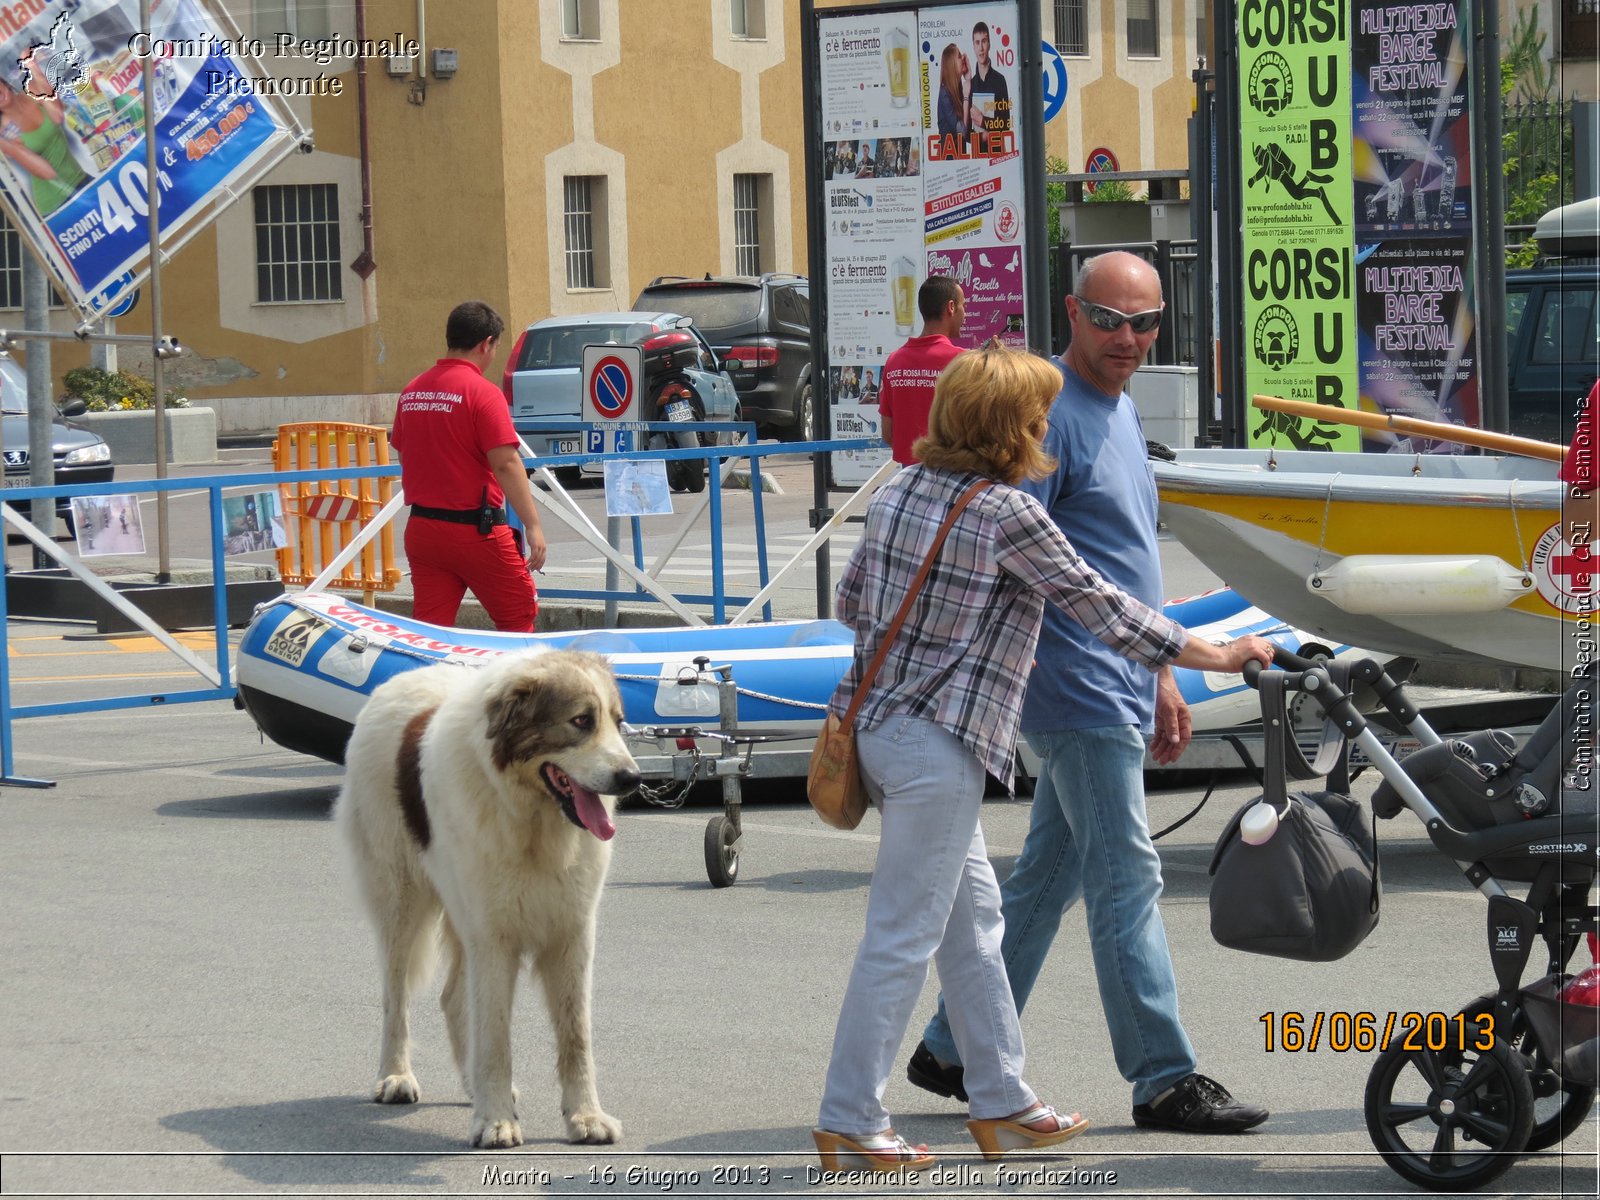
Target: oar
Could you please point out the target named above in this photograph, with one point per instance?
(1504, 442)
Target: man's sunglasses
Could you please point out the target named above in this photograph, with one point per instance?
(1111, 319)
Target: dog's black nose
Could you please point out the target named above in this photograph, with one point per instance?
(626, 782)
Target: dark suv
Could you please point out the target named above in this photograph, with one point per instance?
(1553, 324)
(760, 327)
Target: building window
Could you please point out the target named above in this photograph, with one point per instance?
(297, 243)
(584, 216)
(1144, 40)
(752, 224)
(1580, 28)
(299, 18)
(10, 264)
(11, 253)
(1072, 27)
(580, 20)
(749, 18)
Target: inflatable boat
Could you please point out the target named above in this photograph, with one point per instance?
(308, 662)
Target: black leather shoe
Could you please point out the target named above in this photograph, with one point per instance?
(924, 1071)
(1196, 1104)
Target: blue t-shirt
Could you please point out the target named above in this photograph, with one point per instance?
(1103, 496)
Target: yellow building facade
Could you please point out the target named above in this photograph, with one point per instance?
(549, 157)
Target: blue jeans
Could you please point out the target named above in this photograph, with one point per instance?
(1089, 838)
(933, 896)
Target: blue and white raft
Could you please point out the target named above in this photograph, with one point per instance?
(308, 662)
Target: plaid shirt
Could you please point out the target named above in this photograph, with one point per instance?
(963, 656)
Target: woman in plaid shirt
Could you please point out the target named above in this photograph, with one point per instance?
(944, 710)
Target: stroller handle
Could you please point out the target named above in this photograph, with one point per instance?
(1280, 658)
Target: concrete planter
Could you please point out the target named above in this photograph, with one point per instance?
(191, 434)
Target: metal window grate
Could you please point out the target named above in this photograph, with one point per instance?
(1072, 27)
(1144, 37)
(10, 264)
(578, 216)
(11, 253)
(297, 243)
(747, 224)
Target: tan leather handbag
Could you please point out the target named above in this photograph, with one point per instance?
(833, 782)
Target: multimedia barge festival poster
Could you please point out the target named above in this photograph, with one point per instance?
(1357, 201)
(922, 175)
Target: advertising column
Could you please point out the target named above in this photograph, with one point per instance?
(1299, 269)
(1413, 214)
(921, 175)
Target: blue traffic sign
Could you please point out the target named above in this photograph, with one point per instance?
(1055, 81)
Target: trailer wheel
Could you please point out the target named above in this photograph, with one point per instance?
(722, 854)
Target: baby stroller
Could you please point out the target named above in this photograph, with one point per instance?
(1450, 1104)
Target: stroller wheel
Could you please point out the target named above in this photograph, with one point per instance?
(1558, 1107)
(1449, 1119)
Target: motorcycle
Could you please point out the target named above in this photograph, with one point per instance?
(676, 401)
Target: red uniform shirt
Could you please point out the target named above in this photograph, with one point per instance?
(451, 417)
(907, 392)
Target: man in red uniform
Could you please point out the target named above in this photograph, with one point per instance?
(906, 393)
(459, 467)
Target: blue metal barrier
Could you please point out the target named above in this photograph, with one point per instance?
(224, 688)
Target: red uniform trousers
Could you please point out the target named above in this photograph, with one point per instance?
(447, 559)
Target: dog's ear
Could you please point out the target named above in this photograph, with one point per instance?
(519, 717)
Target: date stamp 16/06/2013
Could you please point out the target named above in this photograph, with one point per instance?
(1363, 1032)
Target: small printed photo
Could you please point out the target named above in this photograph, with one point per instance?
(252, 522)
(844, 384)
(107, 525)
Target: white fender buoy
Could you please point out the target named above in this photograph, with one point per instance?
(1427, 585)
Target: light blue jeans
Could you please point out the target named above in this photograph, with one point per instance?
(933, 896)
(1089, 838)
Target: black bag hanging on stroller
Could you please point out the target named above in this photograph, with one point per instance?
(1310, 891)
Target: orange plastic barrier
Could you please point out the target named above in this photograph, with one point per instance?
(325, 515)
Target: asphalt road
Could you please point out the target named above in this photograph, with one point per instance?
(184, 960)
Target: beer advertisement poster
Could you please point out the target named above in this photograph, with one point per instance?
(872, 158)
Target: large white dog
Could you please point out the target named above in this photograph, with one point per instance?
(486, 795)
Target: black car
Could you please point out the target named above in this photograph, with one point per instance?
(760, 327)
(81, 456)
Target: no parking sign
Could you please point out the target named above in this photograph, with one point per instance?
(611, 381)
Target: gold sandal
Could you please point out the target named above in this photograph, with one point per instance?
(885, 1153)
(996, 1135)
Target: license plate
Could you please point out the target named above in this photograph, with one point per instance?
(565, 446)
(15, 481)
(679, 410)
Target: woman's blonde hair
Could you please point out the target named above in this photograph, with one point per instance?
(950, 71)
(989, 413)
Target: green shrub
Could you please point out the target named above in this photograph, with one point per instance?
(121, 391)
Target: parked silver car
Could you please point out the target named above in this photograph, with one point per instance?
(81, 456)
(682, 380)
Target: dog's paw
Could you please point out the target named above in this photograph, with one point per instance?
(397, 1089)
(593, 1127)
(496, 1135)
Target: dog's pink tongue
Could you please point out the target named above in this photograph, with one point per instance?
(592, 812)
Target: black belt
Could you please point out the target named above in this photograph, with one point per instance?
(489, 517)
